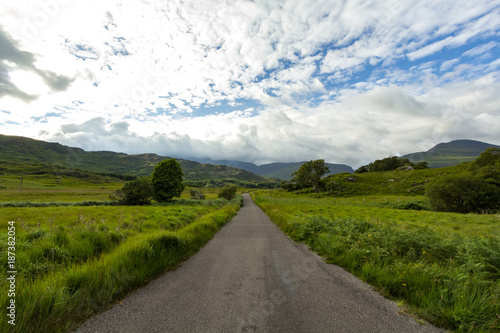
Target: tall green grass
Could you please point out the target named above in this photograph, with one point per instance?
(452, 281)
(387, 210)
(74, 269)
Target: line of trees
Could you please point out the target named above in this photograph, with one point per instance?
(390, 164)
(475, 191)
(219, 183)
(164, 184)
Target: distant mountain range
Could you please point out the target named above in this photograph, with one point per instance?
(441, 155)
(450, 153)
(275, 170)
(25, 150)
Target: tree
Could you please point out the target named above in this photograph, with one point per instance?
(228, 192)
(489, 157)
(463, 194)
(487, 166)
(362, 169)
(167, 180)
(421, 165)
(137, 192)
(389, 164)
(310, 173)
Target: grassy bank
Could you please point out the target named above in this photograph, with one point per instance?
(444, 267)
(76, 261)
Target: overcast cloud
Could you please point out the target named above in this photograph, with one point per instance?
(258, 81)
(12, 59)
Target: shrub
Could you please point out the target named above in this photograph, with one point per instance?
(196, 194)
(387, 164)
(418, 205)
(137, 192)
(463, 194)
(487, 166)
(228, 192)
(333, 186)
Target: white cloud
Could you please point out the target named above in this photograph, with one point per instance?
(326, 79)
(480, 50)
(381, 122)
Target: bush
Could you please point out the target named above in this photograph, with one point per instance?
(487, 166)
(137, 192)
(228, 192)
(388, 164)
(196, 194)
(463, 194)
(333, 186)
(413, 205)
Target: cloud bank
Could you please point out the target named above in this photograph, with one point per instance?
(259, 81)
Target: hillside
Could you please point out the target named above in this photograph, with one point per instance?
(276, 170)
(450, 153)
(24, 150)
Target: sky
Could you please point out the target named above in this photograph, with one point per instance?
(258, 81)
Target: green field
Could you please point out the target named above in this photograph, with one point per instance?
(443, 267)
(76, 253)
(72, 262)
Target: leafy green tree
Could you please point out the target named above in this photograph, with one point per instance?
(487, 166)
(228, 192)
(136, 192)
(489, 157)
(421, 165)
(362, 169)
(389, 164)
(167, 180)
(310, 173)
(463, 194)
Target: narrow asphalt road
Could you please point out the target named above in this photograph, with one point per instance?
(251, 278)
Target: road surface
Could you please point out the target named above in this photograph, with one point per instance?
(251, 278)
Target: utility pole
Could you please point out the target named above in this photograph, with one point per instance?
(21, 188)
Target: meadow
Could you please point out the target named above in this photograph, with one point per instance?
(441, 267)
(76, 254)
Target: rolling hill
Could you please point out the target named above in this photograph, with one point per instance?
(450, 153)
(24, 150)
(276, 170)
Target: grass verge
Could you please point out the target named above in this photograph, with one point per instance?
(452, 281)
(62, 299)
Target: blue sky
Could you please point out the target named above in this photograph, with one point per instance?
(258, 81)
